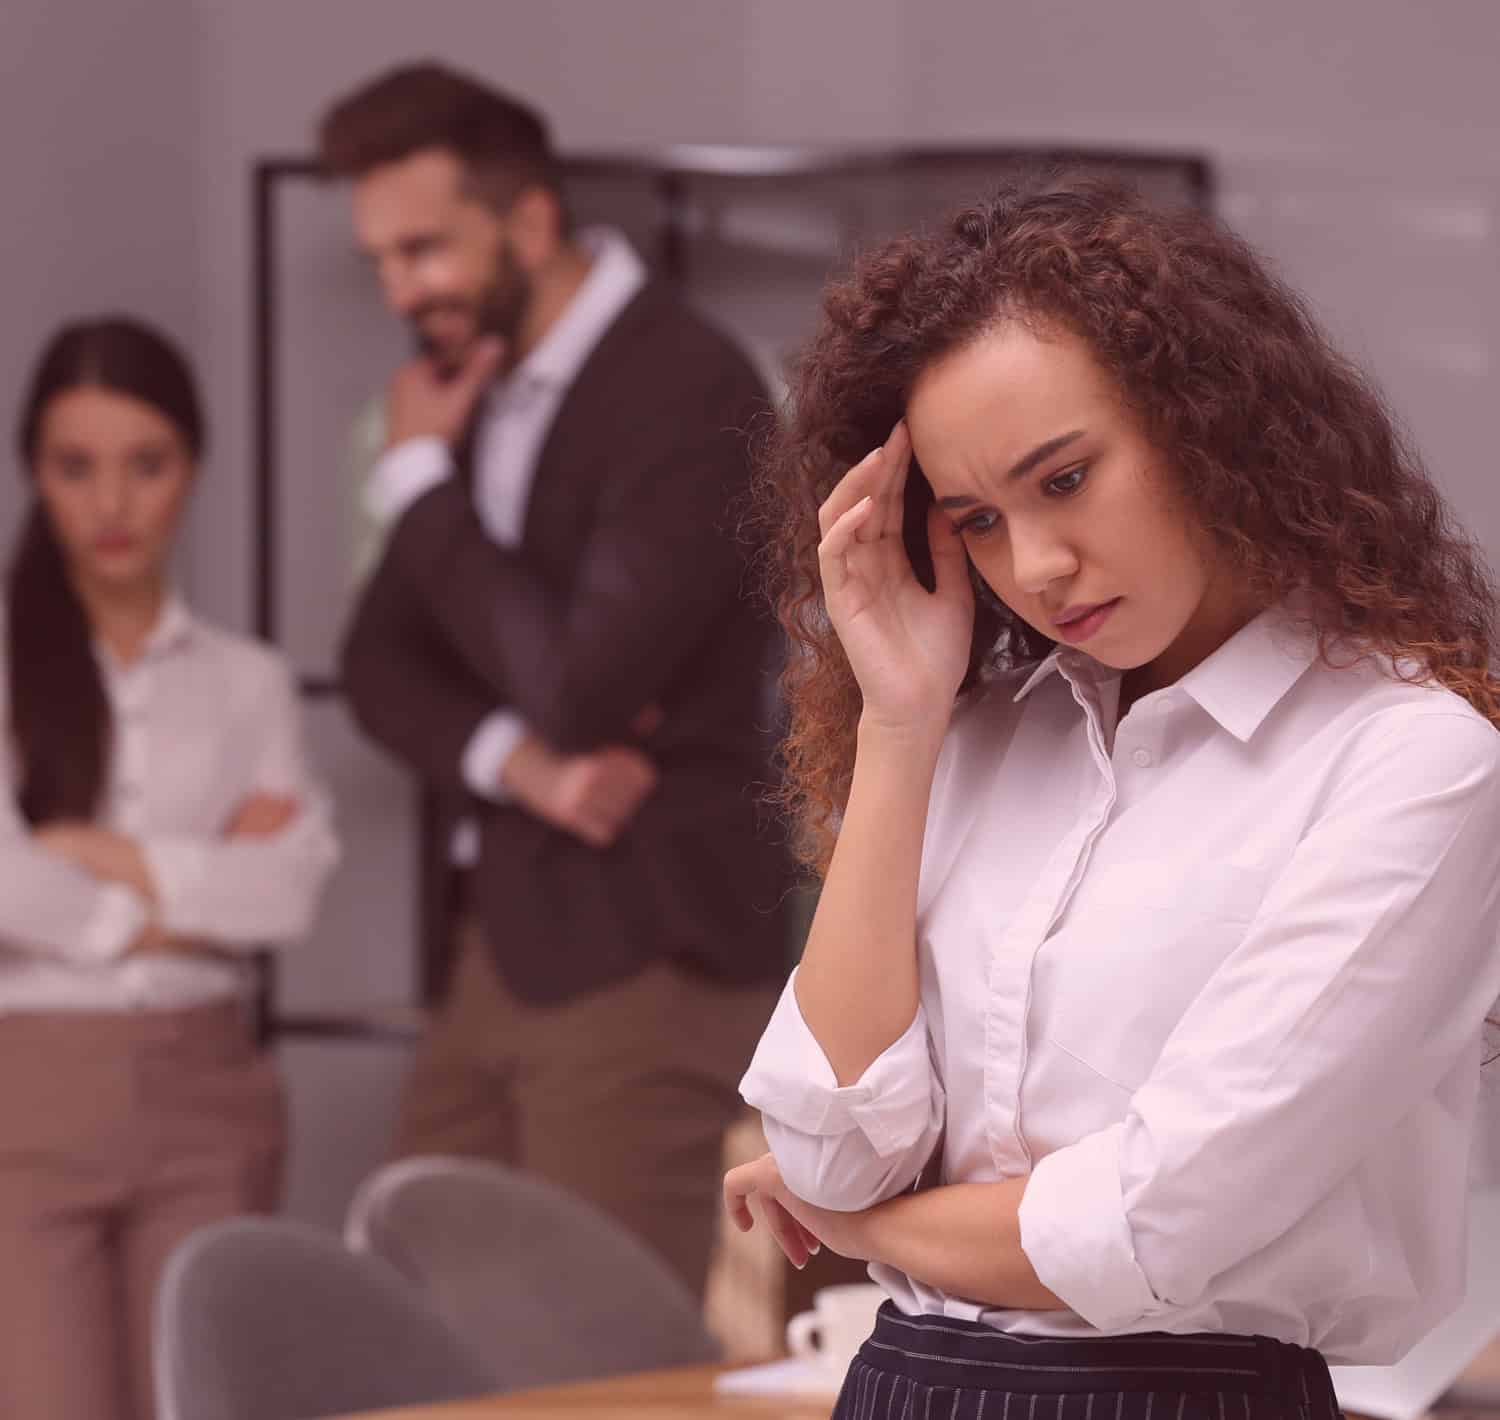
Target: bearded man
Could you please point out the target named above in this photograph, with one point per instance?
(556, 635)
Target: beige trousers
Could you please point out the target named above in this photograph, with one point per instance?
(119, 1135)
(622, 1096)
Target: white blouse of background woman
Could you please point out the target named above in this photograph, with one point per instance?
(203, 720)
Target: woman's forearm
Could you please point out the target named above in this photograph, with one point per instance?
(111, 857)
(857, 981)
(964, 1239)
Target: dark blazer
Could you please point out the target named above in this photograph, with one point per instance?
(630, 588)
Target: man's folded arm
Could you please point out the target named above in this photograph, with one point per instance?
(662, 564)
(407, 691)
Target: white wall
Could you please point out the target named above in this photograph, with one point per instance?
(1355, 142)
(99, 207)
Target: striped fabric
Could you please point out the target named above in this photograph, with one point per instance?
(942, 1368)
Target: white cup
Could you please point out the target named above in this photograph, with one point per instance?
(829, 1335)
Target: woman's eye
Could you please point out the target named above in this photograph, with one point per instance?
(978, 525)
(149, 464)
(1069, 482)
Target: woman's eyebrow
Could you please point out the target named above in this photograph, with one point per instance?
(1021, 467)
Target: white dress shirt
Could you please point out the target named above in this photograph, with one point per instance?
(516, 420)
(203, 720)
(1214, 978)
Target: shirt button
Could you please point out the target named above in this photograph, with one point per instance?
(1142, 757)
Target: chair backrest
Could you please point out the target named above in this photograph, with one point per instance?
(265, 1319)
(542, 1285)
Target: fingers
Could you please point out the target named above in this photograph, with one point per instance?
(759, 1182)
(597, 832)
(848, 491)
(790, 1235)
(833, 551)
(737, 1190)
(481, 366)
(625, 780)
(421, 400)
(881, 475)
(610, 787)
(810, 1239)
(891, 493)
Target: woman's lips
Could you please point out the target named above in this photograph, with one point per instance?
(1085, 626)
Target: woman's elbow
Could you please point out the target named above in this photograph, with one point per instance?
(843, 1174)
(297, 907)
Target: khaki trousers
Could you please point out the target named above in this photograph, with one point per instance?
(121, 1134)
(622, 1096)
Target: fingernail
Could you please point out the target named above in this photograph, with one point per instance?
(816, 1248)
(799, 1265)
(862, 502)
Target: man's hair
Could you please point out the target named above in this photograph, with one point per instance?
(503, 144)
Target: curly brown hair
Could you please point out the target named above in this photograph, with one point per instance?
(1284, 451)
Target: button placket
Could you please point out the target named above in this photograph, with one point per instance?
(132, 706)
(1141, 741)
(1013, 962)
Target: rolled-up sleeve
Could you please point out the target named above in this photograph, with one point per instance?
(1075, 1233)
(844, 1147)
(1360, 988)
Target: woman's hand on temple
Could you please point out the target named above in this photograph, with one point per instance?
(909, 648)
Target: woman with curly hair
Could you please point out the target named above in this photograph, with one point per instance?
(1143, 731)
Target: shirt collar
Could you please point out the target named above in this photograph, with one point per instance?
(1043, 669)
(1239, 684)
(615, 275)
(174, 625)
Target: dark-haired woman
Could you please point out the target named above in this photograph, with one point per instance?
(1144, 729)
(157, 821)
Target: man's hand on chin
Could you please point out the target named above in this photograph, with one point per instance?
(423, 401)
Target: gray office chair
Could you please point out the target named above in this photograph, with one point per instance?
(264, 1319)
(542, 1285)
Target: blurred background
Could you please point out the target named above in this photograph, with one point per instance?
(1354, 144)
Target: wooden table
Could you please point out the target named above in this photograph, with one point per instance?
(683, 1394)
(688, 1394)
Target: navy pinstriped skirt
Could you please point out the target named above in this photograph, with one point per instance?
(939, 1368)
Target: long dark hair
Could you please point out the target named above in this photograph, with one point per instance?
(60, 723)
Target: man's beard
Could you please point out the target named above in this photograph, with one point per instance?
(498, 310)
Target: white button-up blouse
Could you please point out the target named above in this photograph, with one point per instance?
(203, 720)
(1214, 977)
